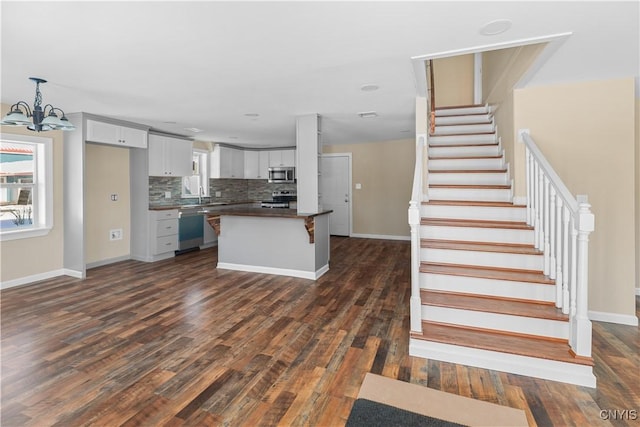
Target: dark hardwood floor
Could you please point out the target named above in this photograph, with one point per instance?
(179, 342)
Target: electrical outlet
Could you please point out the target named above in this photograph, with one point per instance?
(218, 193)
(115, 234)
(167, 194)
(114, 197)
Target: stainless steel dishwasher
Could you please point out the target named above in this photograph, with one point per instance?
(190, 229)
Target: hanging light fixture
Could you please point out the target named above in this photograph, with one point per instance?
(39, 119)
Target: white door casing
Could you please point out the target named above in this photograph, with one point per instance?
(335, 187)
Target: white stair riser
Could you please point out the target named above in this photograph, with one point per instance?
(522, 365)
(460, 120)
(483, 213)
(497, 321)
(466, 164)
(482, 109)
(491, 287)
(477, 234)
(470, 194)
(464, 129)
(462, 139)
(482, 259)
(499, 178)
(465, 151)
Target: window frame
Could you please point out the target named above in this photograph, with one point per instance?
(203, 163)
(42, 187)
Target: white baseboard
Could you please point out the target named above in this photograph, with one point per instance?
(621, 319)
(40, 276)
(107, 261)
(272, 270)
(380, 236)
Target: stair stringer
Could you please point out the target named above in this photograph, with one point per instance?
(505, 362)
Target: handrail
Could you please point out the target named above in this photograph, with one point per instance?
(414, 223)
(562, 225)
(432, 100)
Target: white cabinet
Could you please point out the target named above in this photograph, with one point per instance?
(227, 162)
(256, 164)
(170, 156)
(163, 232)
(282, 158)
(107, 133)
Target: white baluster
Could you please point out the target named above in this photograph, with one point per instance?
(583, 324)
(546, 226)
(537, 228)
(529, 184)
(552, 237)
(566, 304)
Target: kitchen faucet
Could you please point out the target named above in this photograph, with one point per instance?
(200, 194)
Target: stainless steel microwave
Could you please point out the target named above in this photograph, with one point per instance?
(282, 174)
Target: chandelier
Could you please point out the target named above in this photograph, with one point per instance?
(39, 119)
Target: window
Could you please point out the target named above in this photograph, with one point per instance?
(26, 186)
(197, 185)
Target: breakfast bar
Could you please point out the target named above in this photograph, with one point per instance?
(273, 241)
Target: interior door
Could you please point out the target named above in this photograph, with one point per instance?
(335, 188)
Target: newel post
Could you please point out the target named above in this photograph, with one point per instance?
(581, 325)
(415, 301)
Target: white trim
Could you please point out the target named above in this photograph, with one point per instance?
(477, 78)
(24, 233)
(503, 45)
(637, 291)
(272, 270)
(519, 200)
(107, 261)
(497, 361)
(621, 319)
(38, 277)
(380, 236)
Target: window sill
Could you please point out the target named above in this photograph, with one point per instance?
(24, 234)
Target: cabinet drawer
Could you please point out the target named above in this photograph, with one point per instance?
(166, 244)
(166, 227)
(164, 214)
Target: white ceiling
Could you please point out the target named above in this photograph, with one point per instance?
(207, 64)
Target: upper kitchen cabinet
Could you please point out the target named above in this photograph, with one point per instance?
(282, 158)
(256, 164)
(107, 133)
(169, 156)
(227, 162)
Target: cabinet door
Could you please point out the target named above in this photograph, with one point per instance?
(102, 132)
(156, 156)
(275, 158)
(237, 163)
(225, 162)
(178, 157)
(131, 137)
(288, 157)
(263, 165)
(251, 164)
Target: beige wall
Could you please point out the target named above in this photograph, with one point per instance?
(453, 79)
(106, 173)
(501, 70)
(38, 255)
(385, 171)
(587, 132)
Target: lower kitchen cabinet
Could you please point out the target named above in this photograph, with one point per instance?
(163, 233)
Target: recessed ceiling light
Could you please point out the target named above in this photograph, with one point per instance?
(233, 137)
(252, 115)
(194, 130)
(405, 131)
(368, 114)
(493, 28)
(369, 87)
(170, 123)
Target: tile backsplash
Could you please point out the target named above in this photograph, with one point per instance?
(231, 190)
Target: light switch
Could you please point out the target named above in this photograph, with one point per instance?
(358, 186)
(114, 197)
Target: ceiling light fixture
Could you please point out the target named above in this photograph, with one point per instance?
(194, 130)
(496, 27)
(369, 88)
(368, 115)
(252, 115)
(37, 119)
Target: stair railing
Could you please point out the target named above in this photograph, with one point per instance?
(562, 224)
(414, 222)
(432, 99)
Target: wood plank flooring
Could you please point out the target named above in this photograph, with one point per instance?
(180, 343)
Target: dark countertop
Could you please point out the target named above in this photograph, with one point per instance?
(268, 212)
(204, 205)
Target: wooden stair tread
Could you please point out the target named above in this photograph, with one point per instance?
(465, 245)
(473, 186)
(455, 107)
(512, 225)
(473, 203)
(524, 345)
(511, 275)
(497, 156)
(468, 171)
(483, 144)
(465, 134)
(485, 122)
(510, 306)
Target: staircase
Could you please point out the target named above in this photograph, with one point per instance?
(484, 298)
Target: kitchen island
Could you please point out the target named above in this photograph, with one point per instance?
(273, 241)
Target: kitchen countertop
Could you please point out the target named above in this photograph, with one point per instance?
(203, 205)
(269, 212)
